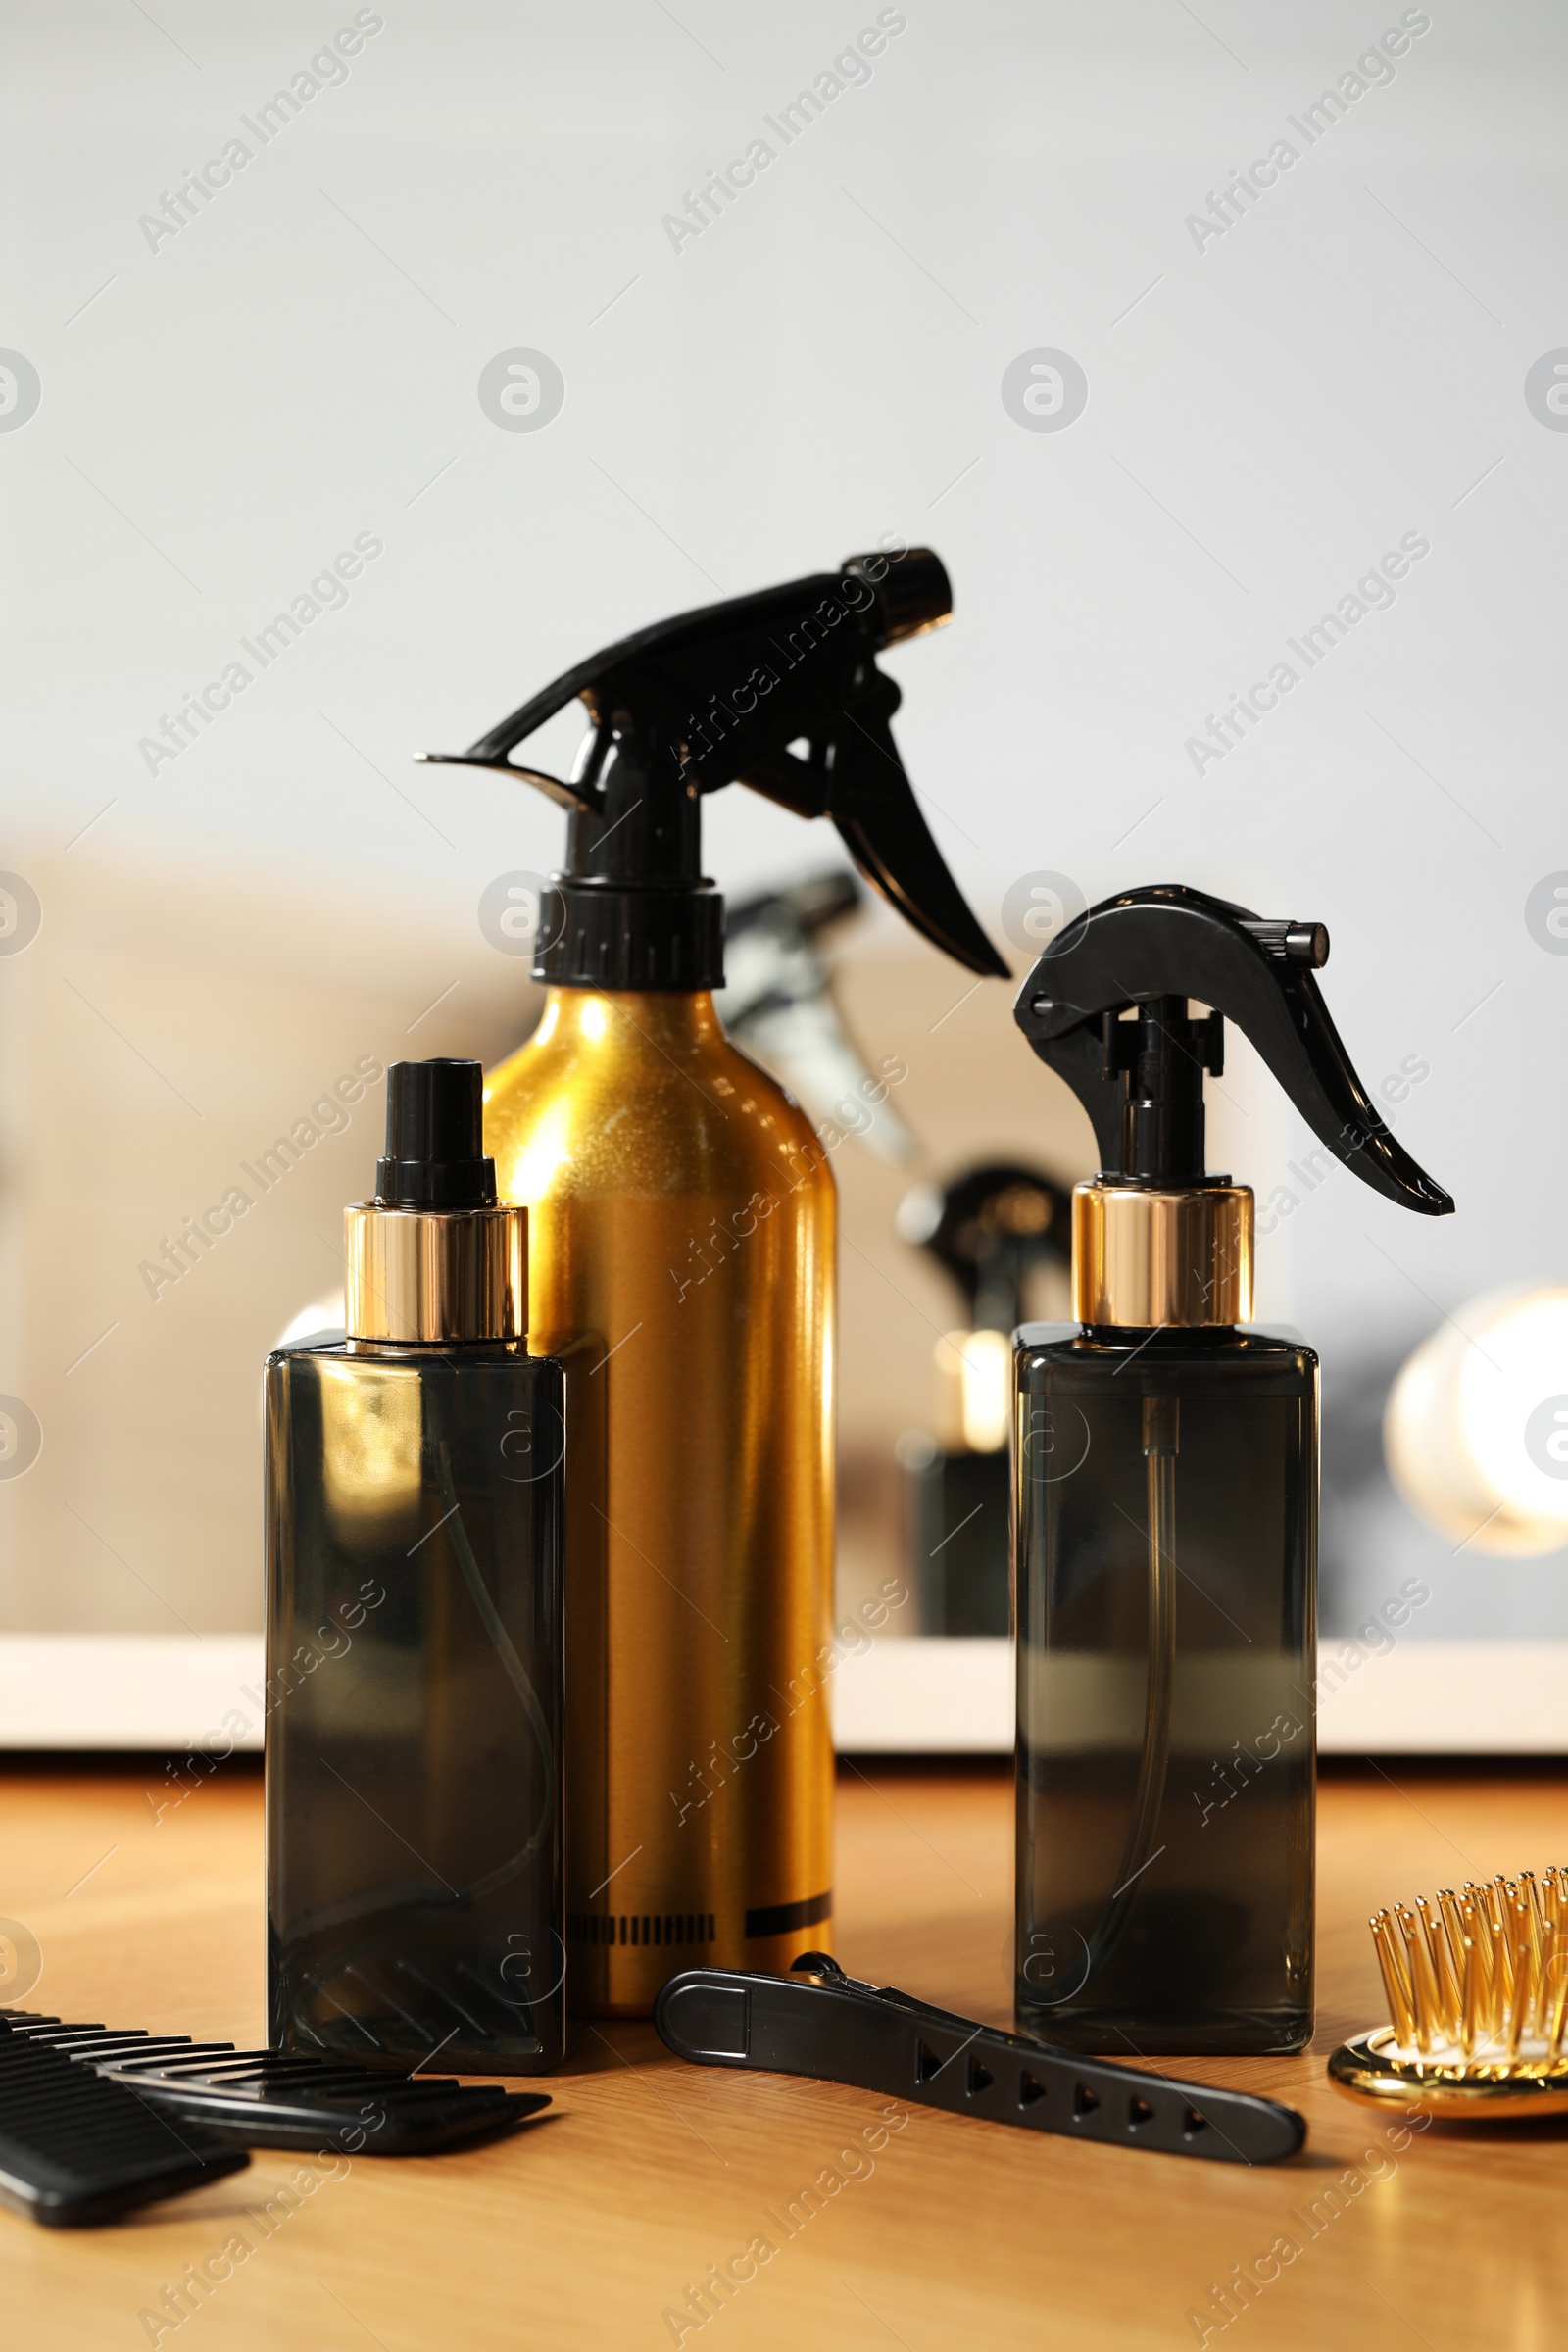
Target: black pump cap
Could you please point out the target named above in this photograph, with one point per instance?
(436, 1138)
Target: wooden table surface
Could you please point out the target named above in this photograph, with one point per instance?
(588, 2229)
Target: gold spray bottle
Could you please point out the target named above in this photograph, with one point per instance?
(683, 1214)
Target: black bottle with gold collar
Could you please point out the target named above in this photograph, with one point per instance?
(416, 1492)
(1165, 1459)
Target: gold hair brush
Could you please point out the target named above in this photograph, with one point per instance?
(1477, 1986)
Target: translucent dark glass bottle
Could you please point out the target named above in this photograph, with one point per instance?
(1167, 1487)
(416, 1502)
(1165, 1467)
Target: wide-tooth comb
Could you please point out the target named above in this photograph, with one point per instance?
(1475, 1983)
(281, 2098)
(75, 2150)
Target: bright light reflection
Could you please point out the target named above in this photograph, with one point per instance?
(1476, 1431)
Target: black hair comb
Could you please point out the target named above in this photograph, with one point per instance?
(75, 2149)
(278, 2098)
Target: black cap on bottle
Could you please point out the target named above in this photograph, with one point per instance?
(434, 1138)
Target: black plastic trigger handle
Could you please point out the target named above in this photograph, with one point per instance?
(1149, 947)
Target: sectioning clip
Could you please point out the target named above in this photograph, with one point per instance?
(819, 2022)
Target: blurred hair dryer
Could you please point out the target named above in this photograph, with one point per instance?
(991, 1228)
(777, 1003)
(1000, 1232)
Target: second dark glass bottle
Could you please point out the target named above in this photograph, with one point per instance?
(415, 1511)
(1167, 1561)
(1165, 1464)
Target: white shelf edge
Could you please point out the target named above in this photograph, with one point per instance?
(955, 1697)
(167, 1693)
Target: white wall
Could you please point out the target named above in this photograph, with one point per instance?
(822, 366)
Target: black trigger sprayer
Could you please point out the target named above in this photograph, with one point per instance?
(716, 697)
(682, 1229)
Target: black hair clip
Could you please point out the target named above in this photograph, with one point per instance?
(282, 2098)
(817, 2021)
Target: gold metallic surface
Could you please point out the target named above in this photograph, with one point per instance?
(1476, 1982)
(683, 1217)
(437, 1274)
(372, 1440)
(1144, 1259)
(1369, 2069)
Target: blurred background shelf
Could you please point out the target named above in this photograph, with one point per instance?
(219, 935)
(175, 1694)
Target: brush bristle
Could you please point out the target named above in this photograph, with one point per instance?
(1480, 1977)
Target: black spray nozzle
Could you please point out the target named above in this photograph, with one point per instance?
(913, 591)
(1140, 1080)
(721, 695)
(434, 1154)
(1164, 1056)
